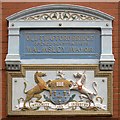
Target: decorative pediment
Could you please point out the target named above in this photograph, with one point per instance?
(60, 12)
(51, 18)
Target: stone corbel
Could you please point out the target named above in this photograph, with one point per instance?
(106, 65)
(13, 65)
(107, 58)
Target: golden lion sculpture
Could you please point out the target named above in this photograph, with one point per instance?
(36, 90)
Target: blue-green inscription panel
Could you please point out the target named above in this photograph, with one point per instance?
(60, 43)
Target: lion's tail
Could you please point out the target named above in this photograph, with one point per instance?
(25, 85)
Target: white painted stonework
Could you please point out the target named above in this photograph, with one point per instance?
(43, 17)
(99, 100)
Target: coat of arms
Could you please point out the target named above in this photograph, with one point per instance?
(60, 89)
(62, 93)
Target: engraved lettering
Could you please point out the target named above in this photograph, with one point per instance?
(60, 49)
(44, 50)
(28, 37)
(29, 49)
(35, 37)
(35, 49)
(50, 49)
(40, 37)
(61, 42)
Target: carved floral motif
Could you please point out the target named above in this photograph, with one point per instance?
(60, 15)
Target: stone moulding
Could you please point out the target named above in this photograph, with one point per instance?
(89, 12)
(60, 16)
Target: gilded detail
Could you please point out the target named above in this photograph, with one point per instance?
(60, 88)
(59, 15)
(36, 90)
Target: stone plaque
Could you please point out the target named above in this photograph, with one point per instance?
(60, 61)
(60, 43)
(59, 90)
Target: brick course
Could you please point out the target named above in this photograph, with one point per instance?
(119, 59)
(111, 8)
(0, 60)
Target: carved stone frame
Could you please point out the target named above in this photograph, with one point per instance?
(101, 20)
(108, 74)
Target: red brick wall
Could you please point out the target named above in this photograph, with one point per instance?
(9, 8)
(119, 59)
(0, 61)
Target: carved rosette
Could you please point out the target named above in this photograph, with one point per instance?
(60, 15)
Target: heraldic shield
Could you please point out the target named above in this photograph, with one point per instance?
(60, 91)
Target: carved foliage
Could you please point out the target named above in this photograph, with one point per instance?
(60, 15)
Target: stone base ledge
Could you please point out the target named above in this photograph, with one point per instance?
(13, 65)
(106, 65)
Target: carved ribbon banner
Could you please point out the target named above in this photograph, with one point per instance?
(60, 90)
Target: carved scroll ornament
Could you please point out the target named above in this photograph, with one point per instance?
(59, 15)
